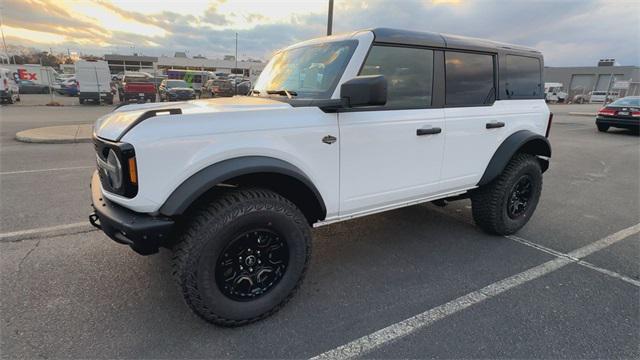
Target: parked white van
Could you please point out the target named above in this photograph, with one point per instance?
(94, 81)
(8, 86)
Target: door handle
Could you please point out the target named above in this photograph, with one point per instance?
(495, 125)
(428, 131)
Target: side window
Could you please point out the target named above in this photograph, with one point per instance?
(469, 78)
(523, 77)
(409, 74)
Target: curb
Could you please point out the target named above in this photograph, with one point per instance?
(578, 113)
(65, 134)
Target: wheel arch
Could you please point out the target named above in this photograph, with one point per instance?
(260, 171)
(524, 141)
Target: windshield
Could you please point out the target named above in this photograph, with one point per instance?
(177, 84)
(311, 71)
(627, 102)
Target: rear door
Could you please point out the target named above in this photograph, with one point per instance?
(475, 126)
(392, 154)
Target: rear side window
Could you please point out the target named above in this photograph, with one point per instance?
(523, 77)
(408, 71)
(469, 79)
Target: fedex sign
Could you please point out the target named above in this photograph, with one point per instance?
(23, 74)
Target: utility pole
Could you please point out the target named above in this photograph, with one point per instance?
(5, 44)
(235, 80)
(330, 18)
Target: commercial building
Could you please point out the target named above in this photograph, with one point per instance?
(121, 63)
(160, 65)
(250, 69)
(607, 76)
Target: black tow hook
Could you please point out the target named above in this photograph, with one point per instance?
(95, 220)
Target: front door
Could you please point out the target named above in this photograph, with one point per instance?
(392, 154)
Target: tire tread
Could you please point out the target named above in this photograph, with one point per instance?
(487, 200)
(219, 211)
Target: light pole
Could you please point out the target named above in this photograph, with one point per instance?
(330, 18)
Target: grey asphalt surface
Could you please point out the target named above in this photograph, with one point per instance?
(84, 296)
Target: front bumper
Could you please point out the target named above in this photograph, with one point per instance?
(143, 232)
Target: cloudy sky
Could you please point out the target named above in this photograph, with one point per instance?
(568, 32)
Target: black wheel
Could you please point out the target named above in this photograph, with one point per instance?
(242, 257)
(10, 99)
(602, 127)
(81, 101)
(506, 204)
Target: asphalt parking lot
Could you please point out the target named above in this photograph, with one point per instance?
(418, 282)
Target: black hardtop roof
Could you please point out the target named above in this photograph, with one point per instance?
(431, 39)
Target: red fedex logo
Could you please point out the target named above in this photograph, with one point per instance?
(24, 75)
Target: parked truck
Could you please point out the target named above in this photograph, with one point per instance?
(137, 86)
(554, 93)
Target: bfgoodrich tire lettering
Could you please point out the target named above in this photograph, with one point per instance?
(217, 223)
(491, 203)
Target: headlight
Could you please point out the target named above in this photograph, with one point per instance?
(114, 170)
(117, 167)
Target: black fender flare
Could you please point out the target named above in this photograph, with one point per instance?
(523, 140)
(204, 180)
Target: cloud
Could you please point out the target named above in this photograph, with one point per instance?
(568, 32)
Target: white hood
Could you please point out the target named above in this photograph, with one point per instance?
(112, 125)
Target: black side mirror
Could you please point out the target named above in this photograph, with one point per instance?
(367, 90)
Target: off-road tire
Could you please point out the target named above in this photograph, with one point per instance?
(602, 127)
(214, 224)
(490, 202)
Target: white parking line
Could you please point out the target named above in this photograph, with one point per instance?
(406, 327)
(45, 170)
(576, 260)
(50, 231)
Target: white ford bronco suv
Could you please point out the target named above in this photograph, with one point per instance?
(335, 128)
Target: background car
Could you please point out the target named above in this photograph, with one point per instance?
(30, 87)
(243, 88)
(217, 88)
(602, 96)
(175, 90)
(622, 113)
(67, 87)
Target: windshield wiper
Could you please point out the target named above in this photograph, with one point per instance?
(289, 93)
